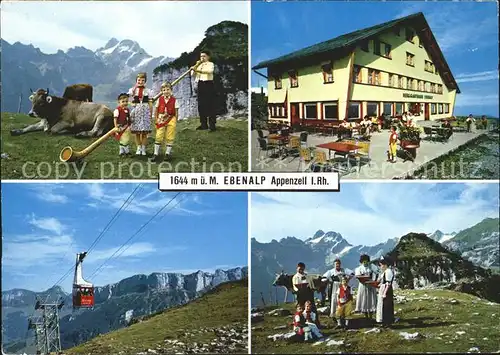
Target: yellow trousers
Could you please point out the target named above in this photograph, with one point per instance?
(125, 137)
(393, 147)
(166, 133)
(344, 310)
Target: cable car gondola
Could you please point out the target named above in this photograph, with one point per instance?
(83, 291)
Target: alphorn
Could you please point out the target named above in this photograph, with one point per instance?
(179, 78)
(69, 155)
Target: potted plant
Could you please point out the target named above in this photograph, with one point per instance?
(410, 136)
(410, 140)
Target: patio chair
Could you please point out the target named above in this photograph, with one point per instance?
(303, 139)
(320, 162)
(293, 147)
(261, 134)
(428, 132)
(265, 146)
(305, 157)
(362, 154)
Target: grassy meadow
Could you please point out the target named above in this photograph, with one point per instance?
(446, 321)
(36, 155)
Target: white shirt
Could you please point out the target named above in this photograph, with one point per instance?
(389, 275)
(298, 279)
(334, 272)
(208, 72)
(366, 270)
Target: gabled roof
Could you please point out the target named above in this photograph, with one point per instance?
(350, 40)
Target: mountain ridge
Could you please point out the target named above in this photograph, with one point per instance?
(115, 304)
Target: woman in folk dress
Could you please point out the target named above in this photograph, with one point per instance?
(366, 300)
(335, 277)
(385, 302)
(142, 101)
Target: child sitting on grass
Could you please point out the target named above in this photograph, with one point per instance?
(312, 320)
(302, 331)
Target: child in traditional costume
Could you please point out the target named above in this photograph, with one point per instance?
(312, 320)
(141, 115)
(393, 140)
(366, 300)
(122, 122)
(166, 113)
(334, 276)
(385, 302)
(302, 331)
(344, 303)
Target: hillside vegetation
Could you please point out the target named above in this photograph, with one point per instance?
(445, 321)
(215, 322)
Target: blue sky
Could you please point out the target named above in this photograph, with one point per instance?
(44, 225)
(370, 213)
(92, 24)
(467, 33)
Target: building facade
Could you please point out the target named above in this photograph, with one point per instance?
(382, 70)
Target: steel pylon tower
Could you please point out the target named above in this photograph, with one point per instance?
(47, 332)
(36, 323)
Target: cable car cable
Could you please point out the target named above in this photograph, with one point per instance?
(128, 200)
(128, 246)
(133, 235)
(125, 204)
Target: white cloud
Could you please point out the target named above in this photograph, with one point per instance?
(108, 197)
(50, 224)
(165, 28)
(480, 76)
(372, 213)
(23, 252)
(132, 250)
(49, 193)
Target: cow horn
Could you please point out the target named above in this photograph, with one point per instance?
(47, 91)
(31, 90)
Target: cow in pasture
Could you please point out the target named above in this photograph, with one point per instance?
(318, 285)
(60, 115)
(79, 92)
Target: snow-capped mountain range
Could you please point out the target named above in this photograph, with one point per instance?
(478, 244)
(110, 69)
(441, 237)
(115, 304)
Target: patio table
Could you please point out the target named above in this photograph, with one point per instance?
(338, 147)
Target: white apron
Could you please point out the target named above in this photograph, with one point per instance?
(337, 274)
(366, 298)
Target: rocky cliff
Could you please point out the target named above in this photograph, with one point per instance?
(228, 45)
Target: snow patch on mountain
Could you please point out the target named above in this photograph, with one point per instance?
(109, 50)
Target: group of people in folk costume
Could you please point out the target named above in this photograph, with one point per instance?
(164, 113)
(374, 296)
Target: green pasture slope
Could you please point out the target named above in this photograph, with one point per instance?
(36, 155)
(446, 321)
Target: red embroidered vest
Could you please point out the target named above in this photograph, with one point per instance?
(123, 116)
(345, 293)
(167, 107)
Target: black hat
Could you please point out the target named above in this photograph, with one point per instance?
(122, 95)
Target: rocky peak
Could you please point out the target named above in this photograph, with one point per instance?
(420, 261)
